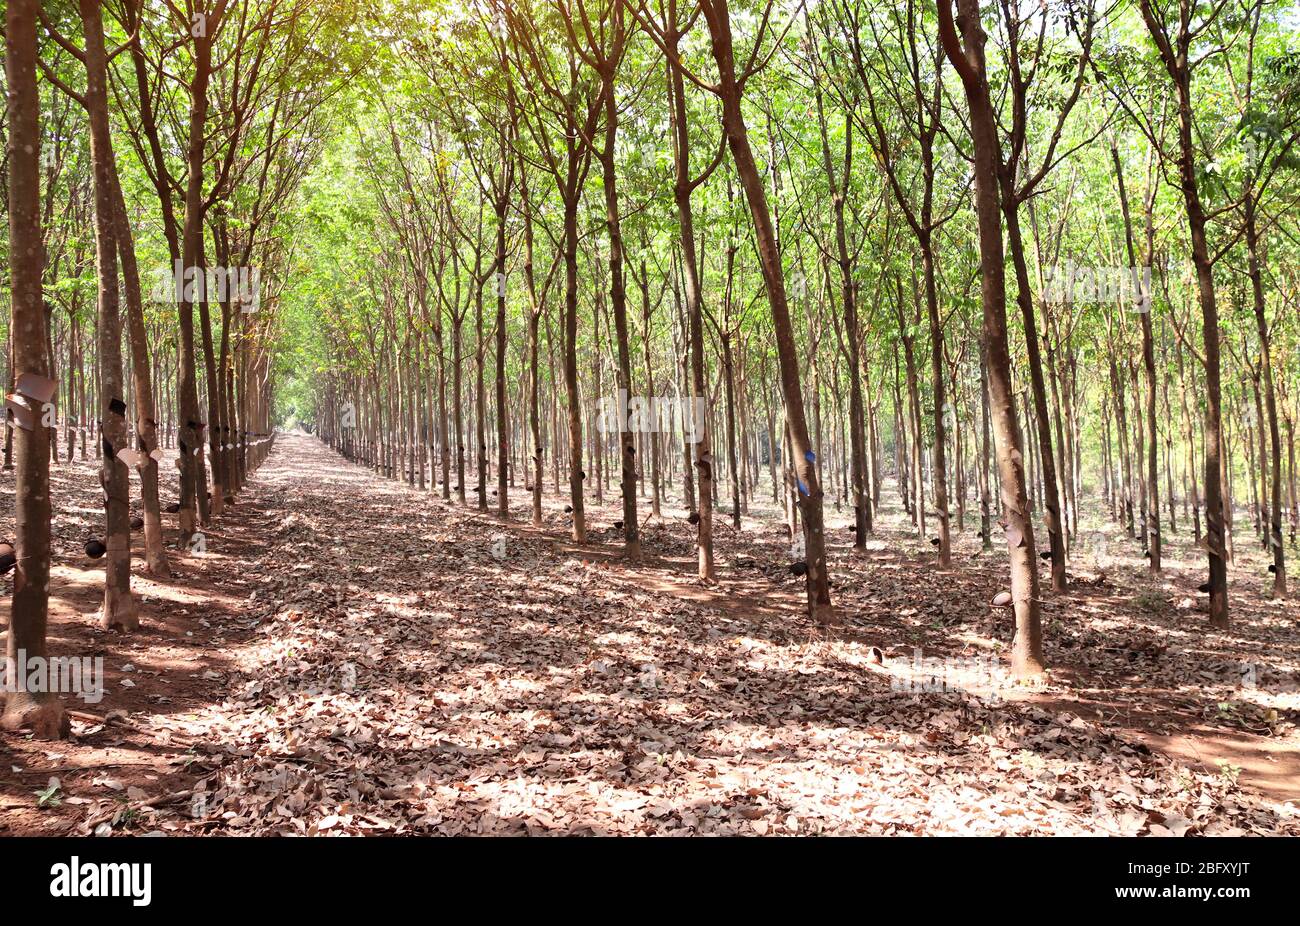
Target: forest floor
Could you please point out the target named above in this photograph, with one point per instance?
(351, 655)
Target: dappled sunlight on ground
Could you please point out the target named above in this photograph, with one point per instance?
(379, 667)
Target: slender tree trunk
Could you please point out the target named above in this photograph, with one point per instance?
(699, 429)
(534, 380)
(1274, 531)
(1175, 59)
(40, 711)
(570, 245)
(503, 421)
(986, 526)
(190, 439)
(119, 607)
(1151, 500)
(618, 298)
(803, 468)
(939, 465)
(852, 343)
(1042, 413)
(1027, 649)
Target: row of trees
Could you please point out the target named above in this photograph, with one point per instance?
(809, 219)
(150, 152)
(477, 226)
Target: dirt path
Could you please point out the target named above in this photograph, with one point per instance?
(353, 656)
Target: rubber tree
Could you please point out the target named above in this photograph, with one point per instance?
(1174, 44)
(963, 42)
(802, 471)
(39, 711)
(119, 608)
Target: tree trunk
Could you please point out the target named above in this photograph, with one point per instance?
(40, 711)
(1274, 531)
(618, 298)
(119, 607)
(699, 430)
(1176, 63)
(803, 468)
(1027, 649)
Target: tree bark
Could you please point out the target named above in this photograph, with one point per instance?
(1027, 649)
(40, 711)
(803, 469)
(119, 608)
(1175, 59)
